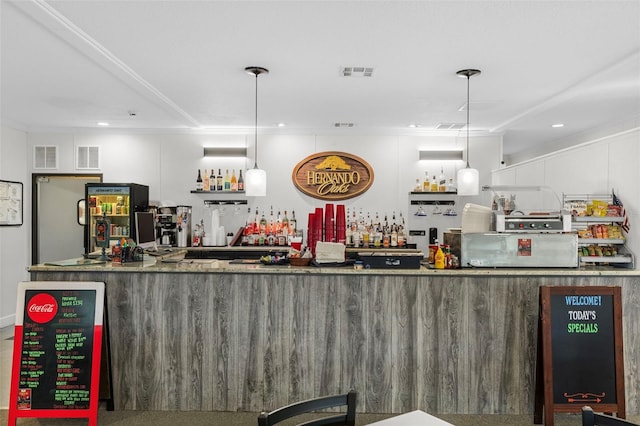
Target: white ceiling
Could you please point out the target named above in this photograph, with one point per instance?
(179, 65)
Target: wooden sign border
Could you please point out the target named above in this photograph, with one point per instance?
(90, 413)
(332, 196)
(544, 401)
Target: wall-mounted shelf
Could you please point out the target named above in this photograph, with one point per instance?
(195, 191)
(224, 202)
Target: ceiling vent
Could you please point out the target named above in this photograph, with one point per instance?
(356, 71)
(450, 126)
(45, 157)
(87, 157)
(343, 124)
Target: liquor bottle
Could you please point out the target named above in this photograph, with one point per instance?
(219, 181)
(227, 181)
(234, 181)
(240, 182)
(426, 185)
(263, 224)
(418, 187)
(212, 181)
(286, 229)
(450, 186)
(199, 184)
(442, 183)
(205, 181)
(434, 184)
(293, 223)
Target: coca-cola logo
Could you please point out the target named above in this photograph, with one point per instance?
(42, 308)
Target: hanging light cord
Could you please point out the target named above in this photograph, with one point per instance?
(255, 142)
(468, 108)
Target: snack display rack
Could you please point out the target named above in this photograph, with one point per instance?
(598, 223)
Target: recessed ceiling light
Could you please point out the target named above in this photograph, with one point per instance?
(281, 124)
(413, 126)
(102, 123)
(557, 125)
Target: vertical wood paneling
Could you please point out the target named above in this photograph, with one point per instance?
(277, 342)
(353, 333)
(444, 344)
(197, 331)
(149, 357)
(251, 326)
(223, 339)
(328, 334)
(302, 365)
(405, 349)
(631, 336)
(123, 333)
(379, 342)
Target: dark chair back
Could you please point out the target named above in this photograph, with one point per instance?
(589, 418)
(312, 405)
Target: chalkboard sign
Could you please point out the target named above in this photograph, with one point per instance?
(579, 351)
(57, 348)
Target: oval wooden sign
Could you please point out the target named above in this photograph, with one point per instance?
(332, 175)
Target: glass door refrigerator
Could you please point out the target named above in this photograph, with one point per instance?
(116, 203)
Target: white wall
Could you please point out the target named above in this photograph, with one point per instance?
(594, 167)
(168, 164)
(15, 250)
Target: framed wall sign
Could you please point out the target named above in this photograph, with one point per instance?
(10, 203)
(332, 176)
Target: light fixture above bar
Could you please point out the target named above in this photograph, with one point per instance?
(238, 152)
(440, 155)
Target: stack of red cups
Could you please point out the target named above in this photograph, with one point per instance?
(329, 224)
(341, 224)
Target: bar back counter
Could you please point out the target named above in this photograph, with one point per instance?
(218, 336)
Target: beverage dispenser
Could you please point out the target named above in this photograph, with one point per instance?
(183, 226)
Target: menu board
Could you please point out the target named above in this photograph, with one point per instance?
(56, 355)
(581, 344)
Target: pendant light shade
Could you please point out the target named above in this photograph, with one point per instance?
(255, 183)
(468, 178)
(256, 179)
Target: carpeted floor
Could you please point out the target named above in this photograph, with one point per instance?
(172, 418)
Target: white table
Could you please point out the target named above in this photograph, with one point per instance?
(413, 418)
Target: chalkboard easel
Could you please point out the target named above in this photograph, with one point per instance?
(580, 353)
(57, 351)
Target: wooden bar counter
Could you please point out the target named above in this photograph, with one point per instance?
(219, 336)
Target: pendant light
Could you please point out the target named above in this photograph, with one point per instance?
(256, 179)
(468, 178)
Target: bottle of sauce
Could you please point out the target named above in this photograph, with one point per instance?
(439, 258)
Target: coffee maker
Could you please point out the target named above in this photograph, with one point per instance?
(166, 230)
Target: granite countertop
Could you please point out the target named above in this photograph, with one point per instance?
(175, 263)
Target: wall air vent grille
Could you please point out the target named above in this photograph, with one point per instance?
(356, 71)
(45, 157)
(87, 157)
